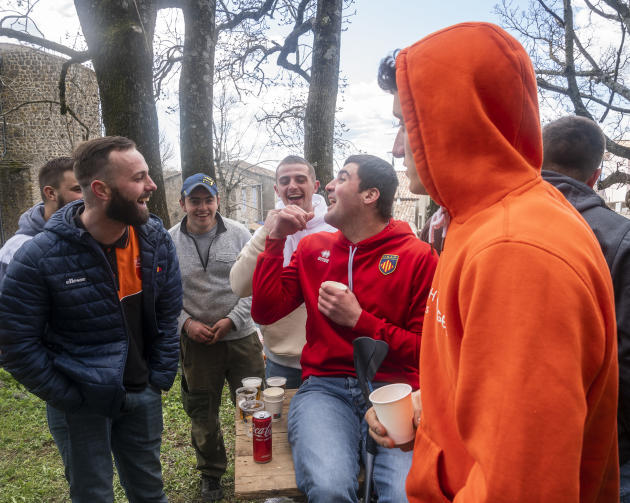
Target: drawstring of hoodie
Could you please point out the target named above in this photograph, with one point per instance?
(439, 220)
(353, 250)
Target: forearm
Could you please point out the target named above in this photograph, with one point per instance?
(276, 290)
(242, 272)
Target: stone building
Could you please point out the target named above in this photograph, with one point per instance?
(32, 130)
(617, 196)
(252, 197)
(411, 208)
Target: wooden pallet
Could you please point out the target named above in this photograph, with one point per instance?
(277, 478)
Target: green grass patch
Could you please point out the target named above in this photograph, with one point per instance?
(31, 470)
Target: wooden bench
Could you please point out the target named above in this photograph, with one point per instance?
(277, 478)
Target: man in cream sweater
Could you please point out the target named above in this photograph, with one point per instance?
(284, 339)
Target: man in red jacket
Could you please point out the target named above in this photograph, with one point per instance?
(388, 272)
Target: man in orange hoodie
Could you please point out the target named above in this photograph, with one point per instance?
(518, 367)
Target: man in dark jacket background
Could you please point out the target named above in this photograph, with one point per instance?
(573, 148)
(58, 187)
(89, 309)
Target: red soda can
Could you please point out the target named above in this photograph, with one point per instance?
(261, 428)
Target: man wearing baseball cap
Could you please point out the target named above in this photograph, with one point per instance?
(218, 337)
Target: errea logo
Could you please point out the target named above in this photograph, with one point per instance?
(325, 256)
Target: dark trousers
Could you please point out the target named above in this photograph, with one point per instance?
(204, 371)
(86, 443)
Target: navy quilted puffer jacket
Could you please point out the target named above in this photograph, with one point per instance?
(63, 332)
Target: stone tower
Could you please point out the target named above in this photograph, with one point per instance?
(32, 130)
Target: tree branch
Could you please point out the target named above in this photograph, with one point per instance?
(561, 90)
(552, 13)
(62, 83)
(168, 4)
(86, 136)
(46, 44)
(254, 14)
(600, 12)
(613, 179)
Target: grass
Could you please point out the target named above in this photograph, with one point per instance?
(31, 470)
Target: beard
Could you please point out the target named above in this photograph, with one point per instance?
(125, 210)
(61, 202)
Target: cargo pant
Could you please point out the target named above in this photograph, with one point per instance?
(204, 371)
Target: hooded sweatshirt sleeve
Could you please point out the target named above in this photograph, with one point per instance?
(404, 341)
(242, 271)
(276, 290)
(529, 369)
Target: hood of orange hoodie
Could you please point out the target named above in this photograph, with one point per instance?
(470, 107)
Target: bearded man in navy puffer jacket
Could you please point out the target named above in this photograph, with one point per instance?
(89, 313)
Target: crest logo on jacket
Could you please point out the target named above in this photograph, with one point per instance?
(388, 263)
(325, 256)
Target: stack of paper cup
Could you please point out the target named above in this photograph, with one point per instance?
(273, 398)
(394, 409)
(253, 382)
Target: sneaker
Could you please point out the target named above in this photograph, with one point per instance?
(211, 488)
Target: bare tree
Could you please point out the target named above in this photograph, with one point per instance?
(309, 53)
(577, 65)
(232, 145)
(206, 21)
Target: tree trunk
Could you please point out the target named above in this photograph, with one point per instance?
(119, 34)
(319, 119)
(195, 88)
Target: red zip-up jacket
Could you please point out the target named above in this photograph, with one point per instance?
(390, 274)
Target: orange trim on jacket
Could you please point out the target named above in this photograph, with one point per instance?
(128, 262)
(518, 360)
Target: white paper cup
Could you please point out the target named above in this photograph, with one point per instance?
(393, 407)
(276, 382)
(273, 398)
(335, 284)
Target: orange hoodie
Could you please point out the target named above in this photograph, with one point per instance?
(518, 364)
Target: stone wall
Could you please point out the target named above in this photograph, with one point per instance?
(32, 130)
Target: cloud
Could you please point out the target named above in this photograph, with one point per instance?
(367, 113)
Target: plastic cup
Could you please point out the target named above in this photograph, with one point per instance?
(393, 407)
(335, 284)
(276, 382)
(253, 382)
(243, 394)
(273, 398)
(248, 407)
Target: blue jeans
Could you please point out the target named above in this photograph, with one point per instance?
(294, 376)
(327, 435)
(624, 485)
(86, 443)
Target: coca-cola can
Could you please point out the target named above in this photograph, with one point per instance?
(261, 427)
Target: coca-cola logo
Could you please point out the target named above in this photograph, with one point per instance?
(263, 431)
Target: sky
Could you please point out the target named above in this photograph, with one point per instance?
(377, 28)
